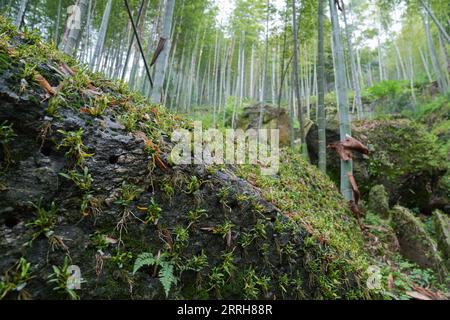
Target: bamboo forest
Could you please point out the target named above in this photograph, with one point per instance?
(224, 150)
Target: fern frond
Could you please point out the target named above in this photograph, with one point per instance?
(166, 277)
(144, 259)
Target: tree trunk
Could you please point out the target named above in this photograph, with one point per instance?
(355, 81)
(101, 36)
(436, 21)
(304, 149)
(161, 63)
(344, 119)
(21, 14)
(321, 118)
(434, 60)
(264, 82)
(58, 18)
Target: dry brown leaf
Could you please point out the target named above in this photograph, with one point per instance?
(160, 163)
(44, 84)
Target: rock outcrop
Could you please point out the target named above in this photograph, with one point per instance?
(415, 244)
(87, 180)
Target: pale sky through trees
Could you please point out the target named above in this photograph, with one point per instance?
(226, 10)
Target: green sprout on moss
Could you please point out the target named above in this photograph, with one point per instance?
(45, 221)
(247, 239)
(223, 194)
(283, 283)
(91, 205)
(73, 141)
(195, 215)
(7, 135)
(224, 229)
(121, 258)
(197, 262)
(228, 263)
(82, 180)
(181, 237)
(216, 279)
(251, 290)
(129, 192)
(193, 185)
(16, 279)
(62, 278)
(153, 212)
(99, 241)
(129, 121)
(98, 107)
(167, 189)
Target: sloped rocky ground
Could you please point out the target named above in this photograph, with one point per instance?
(87, 180)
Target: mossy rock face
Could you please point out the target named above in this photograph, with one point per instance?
(442, 230)
(250, 118)
(415, 244)
(378, 201)
(404, 157)
(222, 230)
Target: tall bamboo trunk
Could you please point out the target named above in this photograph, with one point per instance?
(321, 117)
(304, 150)
(344, 118)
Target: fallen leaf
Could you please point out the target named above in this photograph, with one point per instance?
(44, 84)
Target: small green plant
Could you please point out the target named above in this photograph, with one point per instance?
(7, 135)
(16, 279)
(121, 258)
(73, 141)
(228, 263)
(247, 239)
(153, 212)
(223, 194)
(129, 120)
(251, 290)
(82, 180)
(91, 205)
(197, 262)
(61, 277)
(195, 215)
(193, 185)
(260, 229)
(216, 279)
(181, 235)
(166, 273)
(45, 221)
(99, 241)
(168, 190)
(224, 229)
(129, 192)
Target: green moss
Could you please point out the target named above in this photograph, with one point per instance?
(313, 203)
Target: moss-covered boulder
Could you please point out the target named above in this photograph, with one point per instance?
(415, 244)
(89, 182)
(442, 231)
(404, 157)
(378, 201)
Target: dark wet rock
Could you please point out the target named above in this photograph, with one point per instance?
(442, 230)
(415, 244)
(378, 201)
